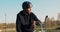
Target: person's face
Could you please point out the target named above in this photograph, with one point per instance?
(28, 10)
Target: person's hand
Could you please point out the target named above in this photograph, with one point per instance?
(34, 24)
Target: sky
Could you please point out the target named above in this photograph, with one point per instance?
(40, 8)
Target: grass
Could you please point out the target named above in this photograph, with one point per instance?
(49, 30)
(36, 28)
(9, 31)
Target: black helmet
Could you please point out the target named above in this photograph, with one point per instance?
(26, 4)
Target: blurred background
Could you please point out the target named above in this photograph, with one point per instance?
(48, 11)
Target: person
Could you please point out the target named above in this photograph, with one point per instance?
(26, 19)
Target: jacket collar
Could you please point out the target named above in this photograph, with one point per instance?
(25, 13)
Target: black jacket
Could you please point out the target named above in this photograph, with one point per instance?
(24, 21)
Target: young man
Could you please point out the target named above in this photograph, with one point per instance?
(26, 20)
